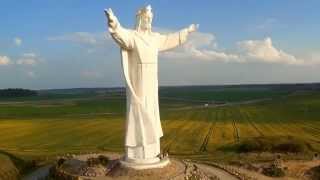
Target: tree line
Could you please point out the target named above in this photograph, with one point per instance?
(17, 92)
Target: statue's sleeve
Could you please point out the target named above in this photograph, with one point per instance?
(169, 41)
(122, 36)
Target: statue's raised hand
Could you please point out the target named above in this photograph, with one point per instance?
(193, 28)
(112, 19)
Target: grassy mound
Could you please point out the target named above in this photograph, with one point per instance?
(270, 144)
(313, 173)
(10, 162)
(8, 171)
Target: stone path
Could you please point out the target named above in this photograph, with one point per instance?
(42, 172)
(293, 166)
(221, 174)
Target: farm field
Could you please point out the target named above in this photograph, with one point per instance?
(46, 127)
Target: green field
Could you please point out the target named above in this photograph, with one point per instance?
(56, 124)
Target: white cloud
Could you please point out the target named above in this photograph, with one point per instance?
(201, 46)
(313, 59)
(264, 51)
(17, 41)
(30, 59)
(30, 55)
(90, 51)
(4, 60)
(31, 74)
(202, 40)
(26, 61)
(90, 74)
(82, 38)
(194, 53)
(267, 24)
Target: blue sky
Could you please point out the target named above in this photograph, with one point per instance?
(62, 44)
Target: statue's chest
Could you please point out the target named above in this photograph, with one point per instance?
(146, 47)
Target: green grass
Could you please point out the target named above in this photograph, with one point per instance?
(222, 94)
(48, 127)
(58, 108)
(286, 144)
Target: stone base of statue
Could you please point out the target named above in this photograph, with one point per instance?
(112, 166)
(145, 164)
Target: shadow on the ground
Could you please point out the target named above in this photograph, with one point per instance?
(24, 166)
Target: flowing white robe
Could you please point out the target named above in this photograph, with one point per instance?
(139, 53)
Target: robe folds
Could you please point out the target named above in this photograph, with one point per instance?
(139, 53)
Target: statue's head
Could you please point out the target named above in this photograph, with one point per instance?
(144, 19)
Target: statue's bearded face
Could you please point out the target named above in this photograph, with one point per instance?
(146, 22)
(144, 19)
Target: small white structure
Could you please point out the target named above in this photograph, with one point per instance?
(139, 51)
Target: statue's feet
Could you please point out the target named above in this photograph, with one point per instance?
(140, 164)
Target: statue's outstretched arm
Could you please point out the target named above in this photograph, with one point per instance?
(170, 41)
(112, 19)
(122, 36)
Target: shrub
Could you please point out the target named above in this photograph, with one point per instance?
(104, 160)
(17, 92)
(61, 161)
(314, 173)
(270, 144)
(273, 171)
(293, 147)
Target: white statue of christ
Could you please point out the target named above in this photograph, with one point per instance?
(139, 51)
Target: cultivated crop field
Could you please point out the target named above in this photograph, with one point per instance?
(55, 124)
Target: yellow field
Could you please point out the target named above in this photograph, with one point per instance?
(85, 125)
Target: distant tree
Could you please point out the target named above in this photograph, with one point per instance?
(17, 92)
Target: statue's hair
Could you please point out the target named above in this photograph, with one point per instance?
(143, 12)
